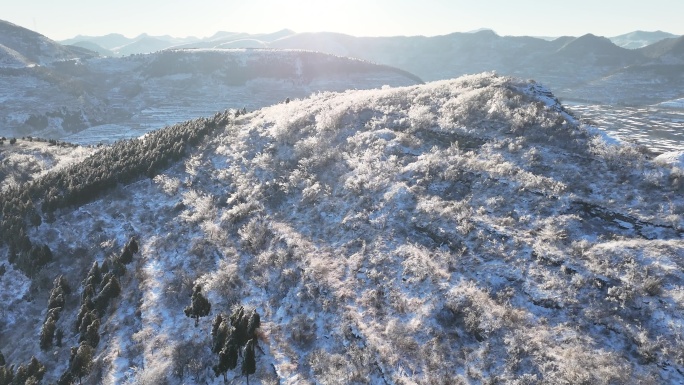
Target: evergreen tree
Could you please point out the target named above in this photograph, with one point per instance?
(62, 283)
(232, 350)
(128, 251)
(87, 321)
(6, 375)
(35, 370)
(92, 334)
(95, 275)
(253, 324)
(86, 308)
(47, 333)
(199, 305)
(249, 363)
(81, 360)
(133, 246)
(219, 333)
(222, 366)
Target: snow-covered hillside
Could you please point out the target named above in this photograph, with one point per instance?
(21, 47)
(27, 159)
(462, 231)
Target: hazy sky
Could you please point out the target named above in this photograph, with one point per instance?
(66, 18)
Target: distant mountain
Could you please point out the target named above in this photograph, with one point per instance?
(566, 63)
(666, 51)
(89, 45)
(143, 44)
(571, 65)
(237, 40)
(600, 51)
(640, 39)
(109, 41)
(243, 43)
(20, 47)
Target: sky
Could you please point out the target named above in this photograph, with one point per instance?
(64, 19)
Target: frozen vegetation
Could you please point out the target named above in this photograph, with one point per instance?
(462, 231)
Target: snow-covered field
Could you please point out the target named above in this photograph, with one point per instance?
(462, 231)
(658, 128)
(676, 103)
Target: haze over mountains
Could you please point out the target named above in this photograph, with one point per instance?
(568, 64)
(115, 92)
(49, 96)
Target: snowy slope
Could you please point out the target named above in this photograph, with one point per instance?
(462, 231)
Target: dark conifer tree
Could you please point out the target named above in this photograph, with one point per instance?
(62, 282)
(95, 274)
(87, 321)
(222, 366)
(35, 370)
(6, 375)
(133, 246)
(231, 349)
(219, 334)
(253, 324)
(199, 305)
(249, 362)
(81, 360)
(92, 334)
(47, 333)
(86, 308)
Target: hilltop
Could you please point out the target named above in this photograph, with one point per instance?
(460, 231)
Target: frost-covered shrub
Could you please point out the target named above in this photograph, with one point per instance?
(255, 234)
(225, 281)
(421, 117)
(302, 330)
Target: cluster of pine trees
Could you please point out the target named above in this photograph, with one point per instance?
(124, 162)
(60, 289)
(29, 374)
(232, 337)
(100, 287)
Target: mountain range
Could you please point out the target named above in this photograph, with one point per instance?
(568, 64)
(67, 90)
(78, 90)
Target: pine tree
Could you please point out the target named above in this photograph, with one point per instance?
(92, 334)
(94, 275)
(6, 375)
(128, 251)
(253, 324)
(199, 305)
(81, 360)
(47, 333)
(249, 363)
(219, 333)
